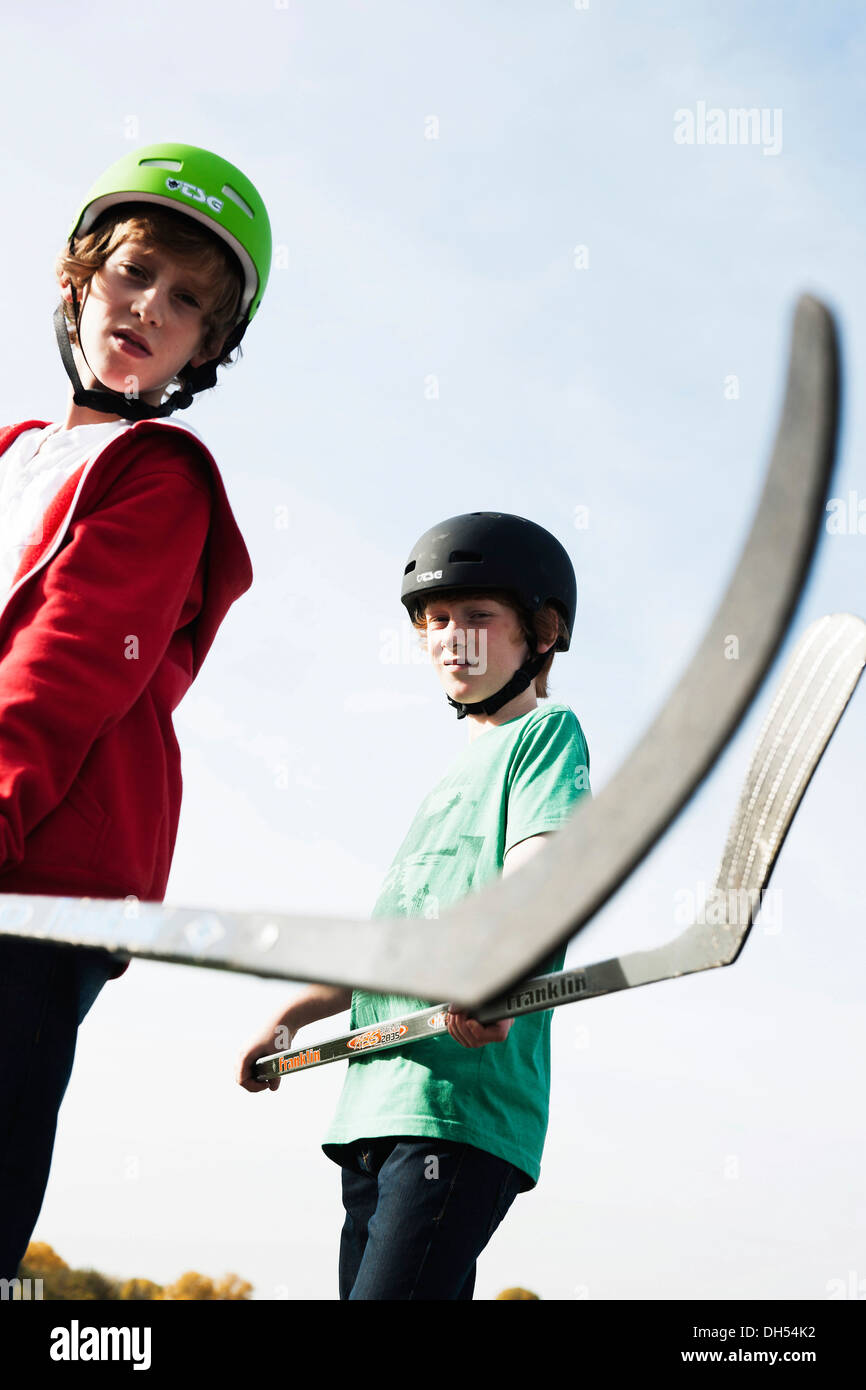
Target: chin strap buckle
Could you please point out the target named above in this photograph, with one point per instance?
(519, 682)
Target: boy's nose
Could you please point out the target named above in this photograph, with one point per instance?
(454, 640)
(148, 303)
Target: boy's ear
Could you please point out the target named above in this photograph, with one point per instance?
(202, 357)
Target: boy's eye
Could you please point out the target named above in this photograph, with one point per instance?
(139, 272)
(440, 621)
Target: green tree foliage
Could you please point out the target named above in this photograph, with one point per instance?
(231, 1287)
(86, 1284)
(198, 1286)
(60, 1282)
(140, 1290)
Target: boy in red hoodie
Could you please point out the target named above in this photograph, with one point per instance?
(119, 559)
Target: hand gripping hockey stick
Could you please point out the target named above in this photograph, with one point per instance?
(819, 680)
(481, 945)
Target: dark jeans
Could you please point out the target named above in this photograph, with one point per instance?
(418, 1214)
(45, 992)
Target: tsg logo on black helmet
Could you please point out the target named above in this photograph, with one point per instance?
(494, 550)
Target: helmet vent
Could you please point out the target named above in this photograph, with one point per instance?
(174, 164)
(471, 555)
(409, 568)
(232, 193)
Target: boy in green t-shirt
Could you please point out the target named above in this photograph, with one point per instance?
(436, 1139)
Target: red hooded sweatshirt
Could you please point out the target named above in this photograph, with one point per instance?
(109, 619)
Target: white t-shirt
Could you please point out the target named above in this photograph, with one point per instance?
(30, 479)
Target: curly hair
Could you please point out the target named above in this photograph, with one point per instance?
(548, 624)
(182, 236)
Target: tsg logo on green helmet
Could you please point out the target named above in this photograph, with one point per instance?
(198, 195)
(427, 575)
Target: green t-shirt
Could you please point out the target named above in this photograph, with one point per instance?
(515, 780)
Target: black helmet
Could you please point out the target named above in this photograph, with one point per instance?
(494, 550)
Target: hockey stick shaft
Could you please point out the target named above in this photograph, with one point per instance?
(542, 992)
(532, 996)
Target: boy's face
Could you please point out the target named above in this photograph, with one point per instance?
(143, 317)
(475, 644)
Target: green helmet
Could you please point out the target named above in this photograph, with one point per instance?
(221, 198)
(202, 185)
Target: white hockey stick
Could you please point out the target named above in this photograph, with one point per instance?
(819, 680)
(482, 946)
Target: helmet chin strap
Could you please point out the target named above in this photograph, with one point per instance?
(519, 682)
(108, 402)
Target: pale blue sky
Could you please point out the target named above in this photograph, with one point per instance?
(402, 258)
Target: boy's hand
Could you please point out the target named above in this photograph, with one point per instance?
(470, 1033)
(265, 1047)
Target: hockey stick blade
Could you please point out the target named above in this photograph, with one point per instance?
(817, 685)
(481, 945)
